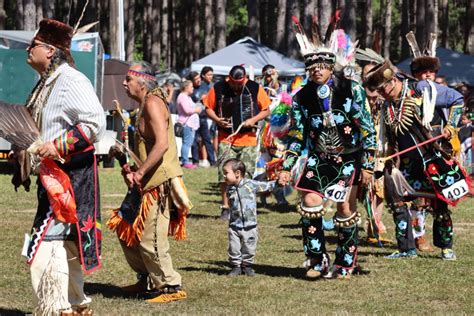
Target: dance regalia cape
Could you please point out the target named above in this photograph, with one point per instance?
(429, 170)
(77, 179)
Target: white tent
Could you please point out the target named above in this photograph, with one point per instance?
(248, 52)
(455, 66)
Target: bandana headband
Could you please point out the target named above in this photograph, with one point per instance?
(238, 81)
(141, 75)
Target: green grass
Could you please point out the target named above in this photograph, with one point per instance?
(424, 285)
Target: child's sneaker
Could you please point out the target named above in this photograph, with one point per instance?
(403, 254)
(236, 271)
(448, 254)
(248, 271)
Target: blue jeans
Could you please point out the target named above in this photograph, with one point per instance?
(188, 139)
(206, 139)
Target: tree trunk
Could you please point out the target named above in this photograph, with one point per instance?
(469, 30)
(20, 13)
(431, 20)
(165, 20)
(39, 11)
(129, 8)
(220, 24)
(281, 26)
(421, 22)
(444, 10)
(253, 16)
(405, 28)
(348, 22)
(309, 12)
(387, 28)
(196, 12)
(29, 8)
(154, 29)
(3, 15)
(208, 23)
(292, 48)
(113, 22)
(48, 9)
(367, 27)
(325, 13)
(174, 33)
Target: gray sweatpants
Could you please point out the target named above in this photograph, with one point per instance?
(242, 246)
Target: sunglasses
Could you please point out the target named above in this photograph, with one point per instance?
(36, 44)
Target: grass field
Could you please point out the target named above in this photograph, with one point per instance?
(424, 285)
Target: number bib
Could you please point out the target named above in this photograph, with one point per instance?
(456, 190)
(336, 193)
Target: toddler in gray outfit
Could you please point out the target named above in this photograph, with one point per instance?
(243, 232)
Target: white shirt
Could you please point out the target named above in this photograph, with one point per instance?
(72, 101)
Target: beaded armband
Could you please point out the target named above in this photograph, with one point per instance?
(65, 143)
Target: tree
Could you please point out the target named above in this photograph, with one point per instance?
(165, 22)
(29, 15)
(291, 44)
(444, 12)
(405, 28)
(421, 21)
(208, 19)
(129, 16)
(220, 24)
(469, 34)
(3, 15)
(325, 12)
(280, 26)
(254, 23)
(387, 28)
(348, 22)
(196, 10)
(368, 22)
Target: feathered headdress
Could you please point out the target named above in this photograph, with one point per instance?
(336, 50)
(426, 59)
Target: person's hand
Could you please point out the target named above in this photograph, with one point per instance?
(48, 150)
(448, 132)
(223, 122)
(283, 178)
(249, 123)
(366, 177)
(198, 109)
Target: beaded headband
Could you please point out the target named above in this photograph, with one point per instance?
(141, 75)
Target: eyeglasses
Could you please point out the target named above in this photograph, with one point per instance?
(36, 44)
(382, 87)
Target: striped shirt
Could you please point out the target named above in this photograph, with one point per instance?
(72, 101)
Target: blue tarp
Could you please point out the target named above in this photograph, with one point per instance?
(248, 52)
(455, 66)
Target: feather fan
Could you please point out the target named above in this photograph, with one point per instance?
(413, 44)
(430, 49)
(368, 55)
(17, 127)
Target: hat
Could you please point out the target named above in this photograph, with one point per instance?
(321, 56)
(380, 74)
(424, 63)
(55, 33)
(426, 59)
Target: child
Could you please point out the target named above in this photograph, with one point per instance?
(243, 232)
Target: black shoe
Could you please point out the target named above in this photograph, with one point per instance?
(248, 271)
(236, 271)
(225, 213)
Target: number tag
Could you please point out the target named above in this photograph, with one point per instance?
(456, 190)
(336, 193)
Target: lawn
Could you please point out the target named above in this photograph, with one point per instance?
(424, 285)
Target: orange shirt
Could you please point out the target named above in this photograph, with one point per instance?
(241, 139)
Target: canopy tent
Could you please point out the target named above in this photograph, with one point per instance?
(86, 49)
(248, 52)
(455, 66)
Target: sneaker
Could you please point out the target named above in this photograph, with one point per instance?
(423, 245)
(189, 166)
(204, 164)
(236, 271)
(313, 274)
(168, 297)
(404, 254)
(248, 271)
(225, 213)
(448, 254)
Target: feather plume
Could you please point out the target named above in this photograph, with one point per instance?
(333, 25)
(17, 126)
(85, 28)
(80, 18)
(413, 44)
(430, 49)
(306, 46)
(315, 34)
(125, 150)
(368, 55)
